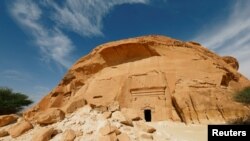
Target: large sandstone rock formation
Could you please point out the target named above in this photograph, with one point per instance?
(159, 77)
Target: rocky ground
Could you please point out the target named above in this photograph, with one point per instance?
(88, 124)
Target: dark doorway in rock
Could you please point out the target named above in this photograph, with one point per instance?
(147, 115)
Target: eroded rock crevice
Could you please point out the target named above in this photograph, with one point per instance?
(194, 108)
(221, 112)
(178, 110)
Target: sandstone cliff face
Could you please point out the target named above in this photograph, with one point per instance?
(159, 77)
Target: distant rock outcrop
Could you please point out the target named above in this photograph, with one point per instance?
(158, 77)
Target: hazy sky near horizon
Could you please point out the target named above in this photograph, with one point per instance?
(40, 40)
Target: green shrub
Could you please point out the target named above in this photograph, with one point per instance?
(243, 96)
(11, 102)
(240, 121)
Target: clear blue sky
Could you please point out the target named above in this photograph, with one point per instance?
(40, 40)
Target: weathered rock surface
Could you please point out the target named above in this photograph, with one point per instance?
(7, 119)
(3, 133)
(109, 137)
(108, 133)
(20, 128)
(231, 61)
(146, 128)
(107, 114)
(187, 81)
(44, 134)
(69, 135)
(50, 116)
(117, 115)
(108, 129)
(74, 105)
(123, 137)
(114, 106)
(130, 114)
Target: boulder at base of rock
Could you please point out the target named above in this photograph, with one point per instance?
(69, 135)
(144, 127)
(108, 129)
(108, 133)
(109, 137)
(3, 133)
(20, 128)
(44, 134)
(114, 106)
(106, 114)
(74, 104)
(99, 108)
(7, 119)
(123, 137)
(130, 114)
(117, 115)
(50, 116)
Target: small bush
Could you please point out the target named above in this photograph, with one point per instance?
(243, 96)
(11, 102)
(240, 121)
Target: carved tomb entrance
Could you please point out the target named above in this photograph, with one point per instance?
(148, 93)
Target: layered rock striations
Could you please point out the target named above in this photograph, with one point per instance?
(158, 77)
